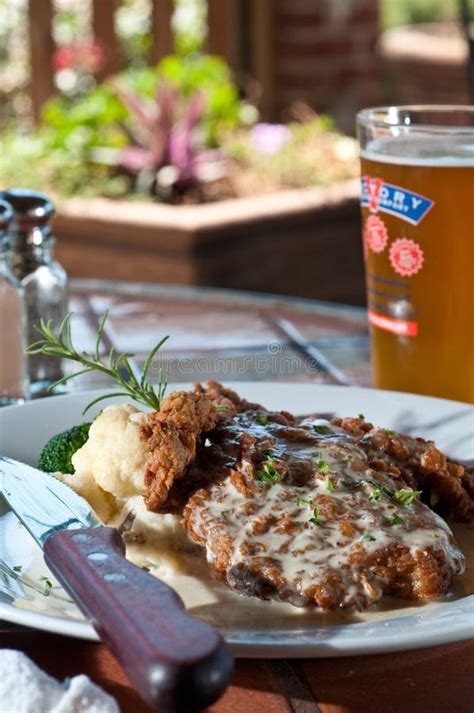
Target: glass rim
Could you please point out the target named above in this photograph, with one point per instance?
(366, 117)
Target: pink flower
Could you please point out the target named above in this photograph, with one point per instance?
(85, 55)
(269, 138)
(63, 58)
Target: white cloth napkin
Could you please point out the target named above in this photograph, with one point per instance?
(25, 688)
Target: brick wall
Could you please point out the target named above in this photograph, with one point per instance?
(325, 55)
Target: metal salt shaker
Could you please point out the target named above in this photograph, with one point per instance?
(13, 372)
(43, 279)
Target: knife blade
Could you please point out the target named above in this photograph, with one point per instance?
(42, 502)
(178, 664)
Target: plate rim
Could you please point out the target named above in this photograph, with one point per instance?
(180, 385)
(267, 647)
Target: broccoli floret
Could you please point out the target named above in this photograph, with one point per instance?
(57, 453)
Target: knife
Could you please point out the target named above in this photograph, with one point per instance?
(178, 664)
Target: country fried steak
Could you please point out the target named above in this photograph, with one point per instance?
(306, 510)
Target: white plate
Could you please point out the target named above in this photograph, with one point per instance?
(252, 628)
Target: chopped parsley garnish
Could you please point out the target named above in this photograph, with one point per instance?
(328, 484)
(375, 494)
(434, 536)
(378, 485)
(17, 568)
(367, 538)
(48, 585)
(405, 496)
(390, 432)
(302, 501)
(222, 407)
(262, 419)
(268, 472)
(316, 515)
(396, 519)
(361, 416)
(323, 467)
(321, 428)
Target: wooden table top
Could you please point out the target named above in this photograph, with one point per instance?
(243, 336)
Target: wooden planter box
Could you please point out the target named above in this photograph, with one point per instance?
(301, 242)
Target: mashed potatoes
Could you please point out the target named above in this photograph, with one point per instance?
(109, 474)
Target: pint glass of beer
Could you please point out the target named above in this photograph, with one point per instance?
(417, 203)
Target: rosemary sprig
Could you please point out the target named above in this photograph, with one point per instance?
(59, 344)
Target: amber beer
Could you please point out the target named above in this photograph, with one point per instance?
(418, 239)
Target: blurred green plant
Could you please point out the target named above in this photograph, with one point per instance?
(207, 74)
(57, 155)
(165, 157)
(62, 154)
(132, 21)
(408, 12)
(190, 25)
(179, 132)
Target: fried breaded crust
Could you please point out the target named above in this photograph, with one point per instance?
(171, 436)
(448, 485)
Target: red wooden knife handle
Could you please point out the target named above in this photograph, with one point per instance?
(177, 663)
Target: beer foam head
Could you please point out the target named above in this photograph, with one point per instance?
(456, 151)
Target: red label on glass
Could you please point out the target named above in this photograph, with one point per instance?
(376, 235)
(401, 327)
(406, 257)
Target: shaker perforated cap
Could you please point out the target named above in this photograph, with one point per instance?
(6, 216)
(30, 208)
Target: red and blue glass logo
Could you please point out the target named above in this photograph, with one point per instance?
(377, 195)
